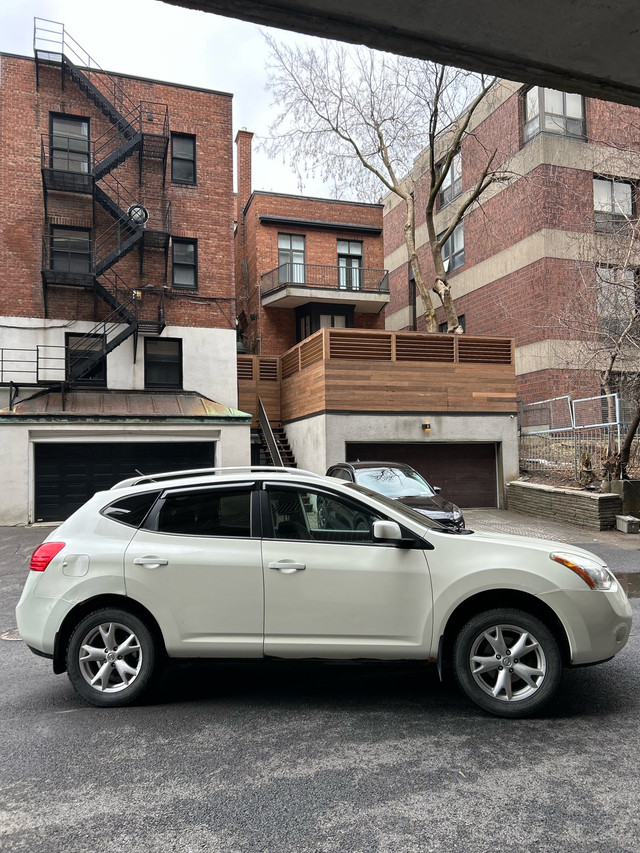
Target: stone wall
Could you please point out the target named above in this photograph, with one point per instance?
(586, 509)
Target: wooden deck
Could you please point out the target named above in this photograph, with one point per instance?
(352, 370)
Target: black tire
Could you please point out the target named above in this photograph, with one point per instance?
(508, 662)
(111, 658)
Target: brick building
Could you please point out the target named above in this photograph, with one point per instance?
(533, 261)
(311, 290)
(304, 263)
(117, 305)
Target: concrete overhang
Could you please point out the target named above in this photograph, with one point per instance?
(290, 296)
(586, 46)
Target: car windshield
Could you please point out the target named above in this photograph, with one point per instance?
(394, 482)
(393, 504)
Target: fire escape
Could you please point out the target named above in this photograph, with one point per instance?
(135, 220)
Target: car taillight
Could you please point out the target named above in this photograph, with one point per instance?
(43, 555)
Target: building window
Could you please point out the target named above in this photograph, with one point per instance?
(451, 186)
(612, 203)
(183, 158)
(86, 359)
(618, 298)
(550, 111)
(350, 265)
(312, 317)
(162, 363)
(70, 249)
(185, 263)
(442, 327)
(453, 249)
(291, 263)
(69, 144)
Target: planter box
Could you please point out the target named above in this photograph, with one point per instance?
(629, 491)
(628, 524)
(586, 509)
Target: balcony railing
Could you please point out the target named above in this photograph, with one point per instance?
(326, 277)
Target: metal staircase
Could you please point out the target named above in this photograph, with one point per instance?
(140, 128)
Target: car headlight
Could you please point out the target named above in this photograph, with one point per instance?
(592, 573)
(457, 514)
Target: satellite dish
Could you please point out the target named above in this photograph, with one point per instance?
(138, 214)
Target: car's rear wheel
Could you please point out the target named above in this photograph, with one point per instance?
(508, 662)
(111, 657)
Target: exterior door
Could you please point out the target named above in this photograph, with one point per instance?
(330, 590)
(198, 570)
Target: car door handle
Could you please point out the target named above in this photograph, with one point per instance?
(287, 567)
(150, 562)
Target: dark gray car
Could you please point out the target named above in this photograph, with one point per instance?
(403, 483)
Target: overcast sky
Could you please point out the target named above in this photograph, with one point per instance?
(148, 38)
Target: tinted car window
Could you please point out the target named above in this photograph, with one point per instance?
(205, 512)
(319, 516)
(133, 510)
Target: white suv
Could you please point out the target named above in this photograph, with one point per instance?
(270, 562)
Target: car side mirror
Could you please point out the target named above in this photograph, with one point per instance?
(388, 530)
(436, 489)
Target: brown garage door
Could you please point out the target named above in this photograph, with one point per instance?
(466, 473)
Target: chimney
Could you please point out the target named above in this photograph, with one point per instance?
(243, 149)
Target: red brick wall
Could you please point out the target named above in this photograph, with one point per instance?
(534, 303)
(273, 330)
(203, 211)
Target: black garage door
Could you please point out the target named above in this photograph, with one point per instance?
(466, 473)
(67, 474)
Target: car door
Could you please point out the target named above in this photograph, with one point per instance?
(330, 589)
(196, 566)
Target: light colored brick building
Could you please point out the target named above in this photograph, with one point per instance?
(523, 256)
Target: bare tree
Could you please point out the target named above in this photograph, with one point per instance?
(603, 316)
(360, 117)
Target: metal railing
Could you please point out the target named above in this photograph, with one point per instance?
(52, 43)
(569, 437)
(326, 277)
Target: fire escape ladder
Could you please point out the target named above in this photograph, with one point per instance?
(83, 355)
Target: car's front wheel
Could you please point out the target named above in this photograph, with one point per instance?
(111, 657)
(508, 662)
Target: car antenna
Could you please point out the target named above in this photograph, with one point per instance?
(148, 476)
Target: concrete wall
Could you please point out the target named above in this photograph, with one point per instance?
(17, 458)
(320, 441)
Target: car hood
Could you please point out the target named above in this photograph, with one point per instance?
(512, 540)
(433, 505)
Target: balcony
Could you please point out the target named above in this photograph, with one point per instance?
(353, 370)
(290, 285)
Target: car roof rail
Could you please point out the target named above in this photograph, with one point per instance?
(204, 472)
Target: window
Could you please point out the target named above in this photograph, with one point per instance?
(442, 327)
(618, 295)
(205, 512)
(612, 203)
(453, 249)
(163, 363)
(183, 158)
(71, 250)
(185, 263)
(313, 316)
(133, 510)
(451, 186)
(86, 359)
(319, 516)
(291, 262)
(69, 144)
(350, 265)
(547, 110)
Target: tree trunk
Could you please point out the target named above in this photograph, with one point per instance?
(622, 459)
(414, 262)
